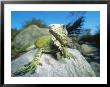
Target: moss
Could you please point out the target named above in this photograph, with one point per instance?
(43, 41)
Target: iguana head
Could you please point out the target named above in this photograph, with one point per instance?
(59, 33)
(59, 29)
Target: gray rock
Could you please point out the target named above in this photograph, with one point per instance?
(28, 36)
(96, 67)
(88, 50)
(74, 67)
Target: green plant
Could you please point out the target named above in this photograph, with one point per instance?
(14, 32)
(92, 39)
(34, 21)
(75, 27)
(17, 50)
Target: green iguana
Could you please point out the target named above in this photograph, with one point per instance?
(55, 43)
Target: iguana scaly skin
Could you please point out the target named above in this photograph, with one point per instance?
(54, 43)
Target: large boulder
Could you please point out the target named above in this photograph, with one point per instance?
(51, 67)
(28, 35)
(96, 67)
(88, 50)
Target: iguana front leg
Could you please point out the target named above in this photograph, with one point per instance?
(66, 53)
(62, 47)
(31, 66)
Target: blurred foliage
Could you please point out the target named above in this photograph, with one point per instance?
(14, 32)
(75, 28)
(75, 15)
(95, 39)
(34, 21)
(16, 51)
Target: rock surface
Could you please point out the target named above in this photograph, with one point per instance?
(96, 67)
(28, 35)
(74, 67)
(88, 50)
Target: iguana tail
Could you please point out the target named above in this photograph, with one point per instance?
(30, 66)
